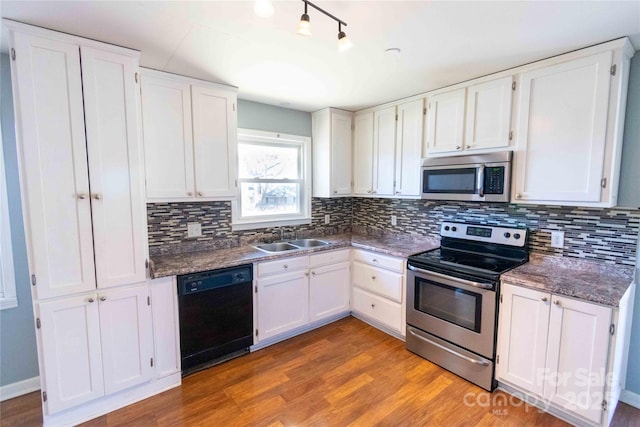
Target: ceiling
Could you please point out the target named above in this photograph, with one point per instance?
(441, 42)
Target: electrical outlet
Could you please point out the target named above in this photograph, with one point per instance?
(326, 219)
(557, 239)
(394, 220)
(194, 229)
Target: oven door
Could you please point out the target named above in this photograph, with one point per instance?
(460, 311)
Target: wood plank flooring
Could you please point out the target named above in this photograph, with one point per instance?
(344, 374)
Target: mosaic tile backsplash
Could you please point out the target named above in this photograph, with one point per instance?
(167, 225)
(609, 235)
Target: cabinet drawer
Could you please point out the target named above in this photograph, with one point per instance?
(378, 281)
(377, 308)
(330, 257)
(384, 261)
(283, 265)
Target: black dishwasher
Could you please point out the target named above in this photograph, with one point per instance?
(216, 316)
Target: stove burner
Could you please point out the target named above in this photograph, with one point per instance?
(483, 265)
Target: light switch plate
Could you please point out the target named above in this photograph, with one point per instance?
(394, 220)
(557, 239)
(326, 219)
(194, 229)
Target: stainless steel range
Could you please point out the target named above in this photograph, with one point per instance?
(452, 297)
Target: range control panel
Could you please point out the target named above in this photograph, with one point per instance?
(485, 233)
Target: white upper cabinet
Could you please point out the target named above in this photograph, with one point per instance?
(474, 117)
(363, 154)
(167, 134)
(446, 122)
(384, 149)
(488, 123)
(409, 148)
(53, 161)
(115, 167)
(214, 141)
(83, 195)
(568, 149)
(331, 153)
(189, 132)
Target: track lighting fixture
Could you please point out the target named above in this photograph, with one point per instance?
(304, 26)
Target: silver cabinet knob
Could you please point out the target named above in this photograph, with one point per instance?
(90, 300)
(335, 191)
(306, 274)
(373, 192)
(97, 196)
(285, 266)
(374, 260)
(189, 193)
(398, 192)
(373, 277)
(81, 196)
(458, 147)
(467, 147)
(103, 298)
(313, 273)
(518, 196)
(544, 299)
(557, 302)
(373, 306)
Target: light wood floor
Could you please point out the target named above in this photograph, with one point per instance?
(346, 373)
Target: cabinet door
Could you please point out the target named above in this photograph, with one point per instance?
(117, 203)
(562, 135)
(72, 362)
(340, 154)
(577, 356)
(214, 142)
(384, 143)
(363, 154)
(283, 303)
(55, 180)
(167, 136)
(522, 337)
(488, 114)
(126, 334)
(409, 148)
(166, 335)
(328, 291)
(446, 122)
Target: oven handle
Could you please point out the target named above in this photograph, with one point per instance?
(480, 362)
(453, 279)
(481, 181)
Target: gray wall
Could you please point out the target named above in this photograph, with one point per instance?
(253, 115)
(633, 367)
(18, 355)
(629, 193)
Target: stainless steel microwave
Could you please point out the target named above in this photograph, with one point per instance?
(478, 178)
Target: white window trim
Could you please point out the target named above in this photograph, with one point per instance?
(8, 298)
(305, 202)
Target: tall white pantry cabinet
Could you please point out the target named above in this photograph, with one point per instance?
(77, 120)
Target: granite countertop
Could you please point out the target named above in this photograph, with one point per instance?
(193, 262)
(587, 280)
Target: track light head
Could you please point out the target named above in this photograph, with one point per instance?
(304, 26)
(344, 42)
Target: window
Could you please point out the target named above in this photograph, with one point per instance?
(273, 180)
(7, 277)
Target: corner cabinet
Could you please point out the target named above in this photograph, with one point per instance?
(469, 119)
(561, 350)
(189, 133)
(331, 153)
(571, 118)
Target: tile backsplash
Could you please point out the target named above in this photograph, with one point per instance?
(609, 235)
(167, 225)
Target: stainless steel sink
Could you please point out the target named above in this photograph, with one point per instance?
(308, 243)
(276, 247)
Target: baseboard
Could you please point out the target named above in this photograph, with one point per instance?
(630, 398)
(10, 391)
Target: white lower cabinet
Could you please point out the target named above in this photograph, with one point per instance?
(378, 290)
(295, 292)
(166, 330)
(555, 348)
(96, 344)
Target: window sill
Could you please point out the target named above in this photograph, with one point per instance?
(6, 303)
(240, 226)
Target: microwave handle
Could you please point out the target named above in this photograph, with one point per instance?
(480, 184)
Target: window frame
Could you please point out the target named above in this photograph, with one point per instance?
(265, 221)
(8, 297)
